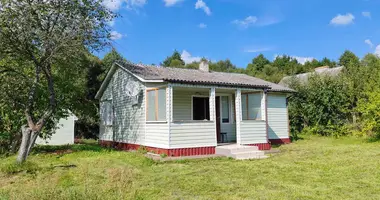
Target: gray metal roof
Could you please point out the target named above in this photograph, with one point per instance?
(195, 76)
(303, 78)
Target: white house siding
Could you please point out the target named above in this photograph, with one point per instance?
(64, 133)
(253, 132)
(192, 134)
(128, 118)
(105, 131)
(157, 135)
(182, 109)
(277, 116)
(182, 104)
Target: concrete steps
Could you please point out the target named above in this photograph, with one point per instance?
(240, 152)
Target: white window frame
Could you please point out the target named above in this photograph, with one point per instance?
(146, 103)
(192, 109)
(261, 114)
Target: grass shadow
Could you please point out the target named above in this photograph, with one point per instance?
(373, 139)
(63, 149)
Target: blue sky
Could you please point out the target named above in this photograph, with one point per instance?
(150, 30)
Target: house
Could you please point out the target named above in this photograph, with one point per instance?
(303, 78)
(183, 112)
(64, 134)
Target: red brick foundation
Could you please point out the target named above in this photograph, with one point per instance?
(169, 152)
(280, 141)
(184, 151)
(262, 146)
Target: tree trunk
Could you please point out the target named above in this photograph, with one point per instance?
(25, 143)
(33, 138)
(28, 140)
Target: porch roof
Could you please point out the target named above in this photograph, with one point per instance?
(195, 76)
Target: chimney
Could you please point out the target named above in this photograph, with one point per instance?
(203, 66)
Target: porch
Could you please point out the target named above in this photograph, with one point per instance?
(206, 116)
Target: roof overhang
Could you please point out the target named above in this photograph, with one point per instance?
(112, 71)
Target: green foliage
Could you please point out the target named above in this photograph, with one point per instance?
(174, 60)
(339, 105)
(348, 59)
(369, 108)
(331, 165)
(222, 66)
(321, 102)
(14, 168)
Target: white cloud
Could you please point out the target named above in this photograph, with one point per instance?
(202, 5)
(188, 58)
(169, 3)
(202, 25)
(343, 19)
(302, 60)
(366, 14)
(377, 50)
(115, 5)
(116, 35)
(256, 50)
(245, 23)
(367, 41)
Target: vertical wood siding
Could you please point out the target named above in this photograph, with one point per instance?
(277, 116)
(192, 134)
(253, 131)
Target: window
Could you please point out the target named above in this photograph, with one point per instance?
(107, 113)
(201, 108)
(251, 106)
(225, 109)
(156, 105)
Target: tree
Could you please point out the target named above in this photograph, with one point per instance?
(176, 57)
(257, 64)
(327, 62)
(288, 65)
(222, 66)
(48, 35)
(348, 59)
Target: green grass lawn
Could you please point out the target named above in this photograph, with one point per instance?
(313, 168)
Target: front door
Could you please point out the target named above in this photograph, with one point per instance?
(217, 110)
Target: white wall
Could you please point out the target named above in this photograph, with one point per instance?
(277, 116)
(63, 135)
(157, 135)
(253, 132)
(192, 134)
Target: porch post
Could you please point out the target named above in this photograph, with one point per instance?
(169, 103)
(212, 104)
(264, 111)
(169, 109)
(238, 114)
(212, 111)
